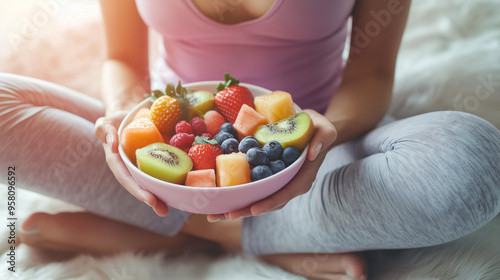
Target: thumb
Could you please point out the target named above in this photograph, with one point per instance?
(107, 133)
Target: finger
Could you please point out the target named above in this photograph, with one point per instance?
(300, 184)
(161, 208)
(101, 128)
(125, 179)
(106, 129)
(114, 140)
(238, 214)
(325, 134)
(212, 218)
(270, 204)
(107, 133)
(279, 199)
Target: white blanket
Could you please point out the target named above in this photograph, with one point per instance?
(450, 59)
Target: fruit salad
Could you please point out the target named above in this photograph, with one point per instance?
(226, 138)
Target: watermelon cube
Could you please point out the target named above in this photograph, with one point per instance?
(201, 178)
(247, 121)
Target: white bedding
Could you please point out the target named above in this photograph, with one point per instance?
(450, 49)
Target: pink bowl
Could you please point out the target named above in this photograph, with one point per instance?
(210, 200)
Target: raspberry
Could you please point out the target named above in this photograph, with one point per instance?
(198, 125)
(208, 135)
(182, 141)
(183, 127)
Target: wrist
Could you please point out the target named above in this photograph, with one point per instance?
(124, 103)
(115, 108)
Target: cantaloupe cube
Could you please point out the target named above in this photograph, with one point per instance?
(247, 121)
(201, 178)
(138, 134)
(275, 106)
(142, 113)
(232, 169)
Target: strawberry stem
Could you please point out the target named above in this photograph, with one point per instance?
(204, 140)
(154, 95)
(178, 92)
(228, 81)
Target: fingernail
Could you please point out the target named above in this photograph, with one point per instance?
(267, 211)
(216, 220)
(243, 216)
(109, 139)
(271, 210)
(148, 203)
(317, 150)
(350, 274)
(31, 230)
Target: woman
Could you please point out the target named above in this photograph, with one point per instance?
(369, 182)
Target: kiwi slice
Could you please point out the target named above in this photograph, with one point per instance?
(295, 131)
(202, 100)
(164, 162)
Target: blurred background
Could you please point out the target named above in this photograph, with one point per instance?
(58, 41)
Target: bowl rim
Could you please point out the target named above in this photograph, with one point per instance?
(128, 118)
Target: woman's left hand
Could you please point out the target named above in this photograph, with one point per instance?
(324, 136)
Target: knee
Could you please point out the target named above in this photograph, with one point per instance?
(476, 162)
(468, 144)
(462, 140)
(456, 172)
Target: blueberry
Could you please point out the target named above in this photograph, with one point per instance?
(260, 172)
(229, 128)
(290, 155)
(222, 136)
(256, 156)
(273, 149)
(230, 146)
(277, 165)
(247, 143)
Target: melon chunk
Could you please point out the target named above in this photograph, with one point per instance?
(201, 178)
(232, 169)
(247, 121)
(142, 113)
(138, 134)
(275, 106)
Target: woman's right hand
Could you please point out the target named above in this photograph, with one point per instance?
(106, 130)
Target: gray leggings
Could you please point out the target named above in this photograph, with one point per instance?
(410, 183)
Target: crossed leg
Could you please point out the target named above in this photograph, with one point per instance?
(48, 130)
(99, 235)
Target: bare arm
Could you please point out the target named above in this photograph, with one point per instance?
(125, 80)
(364, 96)
(358, 105)
(125, 71)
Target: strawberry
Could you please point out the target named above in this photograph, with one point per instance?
(230, 97)
(169, 108)
(203, 153)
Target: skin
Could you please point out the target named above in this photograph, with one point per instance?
(359, 104)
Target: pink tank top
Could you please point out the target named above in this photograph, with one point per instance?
(296, 46)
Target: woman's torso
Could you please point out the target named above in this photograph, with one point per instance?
(293, 45)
